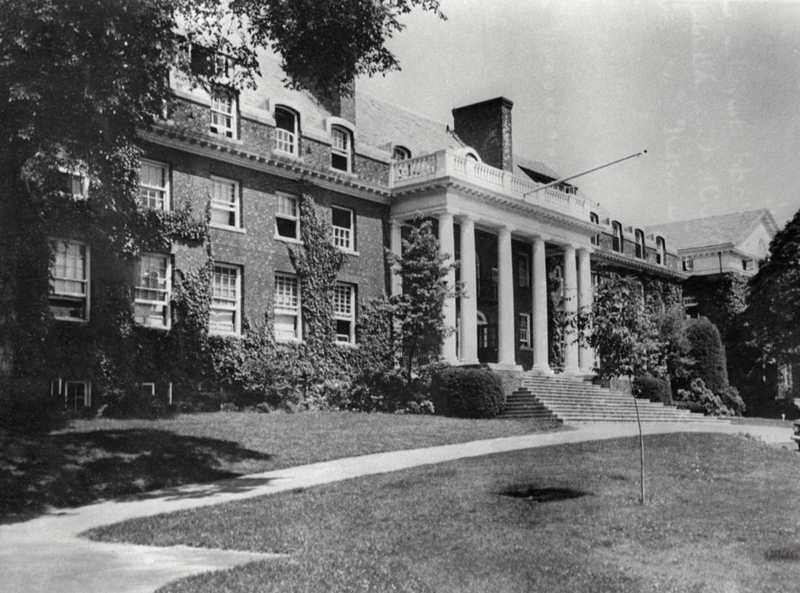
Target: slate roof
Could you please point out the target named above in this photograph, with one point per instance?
(726, 229)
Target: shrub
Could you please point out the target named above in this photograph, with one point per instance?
(656, 390)
(467, 393)
(733, 401)
(708, 353)
(387, 390)
(698, 398)
(24, 412)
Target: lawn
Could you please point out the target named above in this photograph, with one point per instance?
(102, 458)
(723, 516)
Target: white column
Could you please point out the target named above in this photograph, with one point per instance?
(540, 331)
(447, 246)
(397, 249)
(570, 279)
(586, 354)
(505, 300)
(469, 303)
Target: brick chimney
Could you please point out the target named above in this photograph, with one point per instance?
(486, 127)
(342, 105)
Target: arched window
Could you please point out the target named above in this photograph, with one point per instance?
(595, 219)
(401, 153)
(287, 130)
(618, 239)
(341, 148)
(661, 251)
(639, 244)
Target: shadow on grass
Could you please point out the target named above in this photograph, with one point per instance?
(542, 494)
(75, 469)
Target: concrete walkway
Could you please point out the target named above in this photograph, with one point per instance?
(48, 554)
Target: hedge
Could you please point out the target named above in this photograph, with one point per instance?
(467, 393)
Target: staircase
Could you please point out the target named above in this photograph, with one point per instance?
(571, 399)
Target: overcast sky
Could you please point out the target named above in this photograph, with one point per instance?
(710, 88)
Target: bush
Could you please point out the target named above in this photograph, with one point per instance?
(25, 412)
(656, 390)
(698, 398)
(733, 401)
(708, 353)
(387, 390)
(467, 393)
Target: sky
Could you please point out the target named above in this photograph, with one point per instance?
(710, 88)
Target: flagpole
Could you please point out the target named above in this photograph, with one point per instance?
(562, 180)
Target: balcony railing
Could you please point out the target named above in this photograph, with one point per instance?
(444, 163)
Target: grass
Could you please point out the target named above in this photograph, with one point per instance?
(723, 517)
(103, 458)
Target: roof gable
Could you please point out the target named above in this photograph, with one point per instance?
(728, 229)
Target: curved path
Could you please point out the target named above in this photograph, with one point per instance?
(48, 554)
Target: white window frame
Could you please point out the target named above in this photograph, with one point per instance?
(640, 251)
(158, 194)
(748, 265)
(688, 264)
(344, 309)
(154, 295)
(594, 218)
(287, 207)
(344, 238)
(224, 110)
(525, 330)
(222, 302)
(524, 269)
(618, 244)
(66, 288)
(87, 394)
(222, 187)
(287, 304)
(401, 153)
(342, 146)
(661, 251)
(287, 141)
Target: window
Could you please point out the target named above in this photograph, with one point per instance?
(688, 265)
(152, 294)
(639, 244)
(661, 251)
(287, 220)
(341, 149)
(748, 265)
(206, 62)
(223, 114)
(225, 313)
(595, 219)
(524, 267)
(287, 308)
(77, 395)
(618, 244)
(69, 280)
(75, 184)
(525, 330)
(344, 313)
(401, 153)
(224, 202)
(154, 185)
(343, 235)
(286, 131)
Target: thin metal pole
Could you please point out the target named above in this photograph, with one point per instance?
(562, 180)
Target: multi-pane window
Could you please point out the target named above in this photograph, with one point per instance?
(152, 294)
(525, 329)
(69, 280)
(640, 244)
(223, 114)
(286, 131)
(661, 251)
(688, 265)
(341, 149)
(287, 218)
(595, 219)
(77, 395)
(225, 202)
(524, 267)
(75, 184)
(401, 153)
(344, 313)
(226, 300)
(343, 235)
(287, 308)
(154, 185)
(748, 265)
(617, 244)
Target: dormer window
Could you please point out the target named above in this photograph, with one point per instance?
(639, 244)
(223, 113)
(401, 153)
(287, 131)
(341, 148)
(618, 242)
(661, 251)
(595, 219)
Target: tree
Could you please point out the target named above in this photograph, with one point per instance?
(625, 338)
(774, 299)
(419, 310)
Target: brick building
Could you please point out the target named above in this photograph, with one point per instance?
(370, 167)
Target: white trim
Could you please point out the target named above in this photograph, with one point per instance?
(166, 199)
(344, 238)
(225, 304)
(524, 321)
(87, 394)
(224, 123)
(223, 206)
(343, 152)
(344, 309)
(83, 284)
(281, 213)
(287, 304)
(162, 290)
(287, 141)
